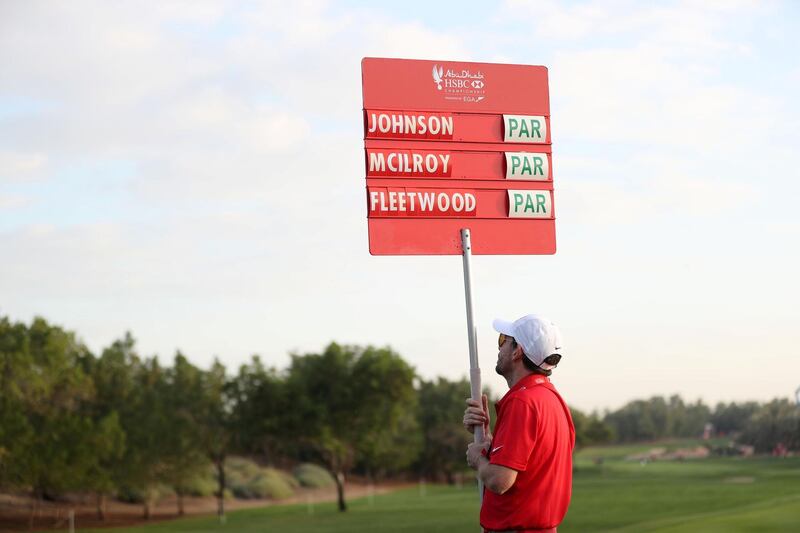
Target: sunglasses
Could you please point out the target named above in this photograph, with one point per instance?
(502, 340)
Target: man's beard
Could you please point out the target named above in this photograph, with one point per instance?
(498, 369)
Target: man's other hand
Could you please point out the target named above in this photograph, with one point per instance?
(477, 414)
(475, 451)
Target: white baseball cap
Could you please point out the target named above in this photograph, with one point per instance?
(538, 336)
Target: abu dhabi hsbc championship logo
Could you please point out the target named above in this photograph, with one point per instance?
(459, 84)
(437, 76)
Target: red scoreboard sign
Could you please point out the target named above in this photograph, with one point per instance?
(451, 145)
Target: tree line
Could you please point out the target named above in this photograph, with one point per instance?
(118, 422)
(765, 426)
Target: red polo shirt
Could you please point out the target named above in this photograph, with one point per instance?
(535, 436)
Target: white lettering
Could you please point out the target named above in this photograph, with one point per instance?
(389, 162)
(384, 123)
(435, 125)
(411, 124)
(469, 204)
(405, 203)
(447, 130)
(444, 202)
(377, 162)
(417, 162)
(397, 123)
(445, 161)
(458, 202)
(406, 166)
(430, 163)
(426, 201)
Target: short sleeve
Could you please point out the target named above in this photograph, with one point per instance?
(514, 440)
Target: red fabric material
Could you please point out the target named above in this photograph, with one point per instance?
(535, 436)
(548, 530)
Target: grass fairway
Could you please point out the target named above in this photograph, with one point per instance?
(720, 494)
(714, 495)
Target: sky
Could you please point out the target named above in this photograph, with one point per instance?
(193, 172)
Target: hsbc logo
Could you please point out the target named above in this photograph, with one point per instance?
(459, 84)
(437, 76)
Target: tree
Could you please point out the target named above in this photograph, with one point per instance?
(175, 419)
(775, 423)
(390, 439)
(597, 431)
(16, 377)
(644, 419)
(147, 422)
(258, 399)
(695, 417)
(589, 429)
(342, 396)
(113, 376)
(109, 445)
(632, 422)
(440, 411)
(185, 456)
(732, 417)
(214, 416)
(52, 443)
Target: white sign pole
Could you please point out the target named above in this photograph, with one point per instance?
(472, 336)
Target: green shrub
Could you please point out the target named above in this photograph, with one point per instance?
(270, 484)
(137, 495)
(200, 486)
(202, 483)
(311, 475)
(238, 473)
(245, 467)
(247, 480)
(289, 479)
(238, 485)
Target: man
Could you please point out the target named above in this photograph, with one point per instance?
(526, 467)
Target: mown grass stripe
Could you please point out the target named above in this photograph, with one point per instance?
(655, 525)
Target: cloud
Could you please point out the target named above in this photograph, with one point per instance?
(13, 201)
(639, 95)
(626, 73)
(644, 126)
(98, 57)
(269, 81)
(639, 187)
(240, 133)
(17, 167)
(214, 154)
(676, 24)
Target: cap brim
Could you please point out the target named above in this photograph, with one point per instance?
(503, 326)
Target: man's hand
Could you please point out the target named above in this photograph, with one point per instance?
(477, 414)
(474, 450)
(496, 478)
